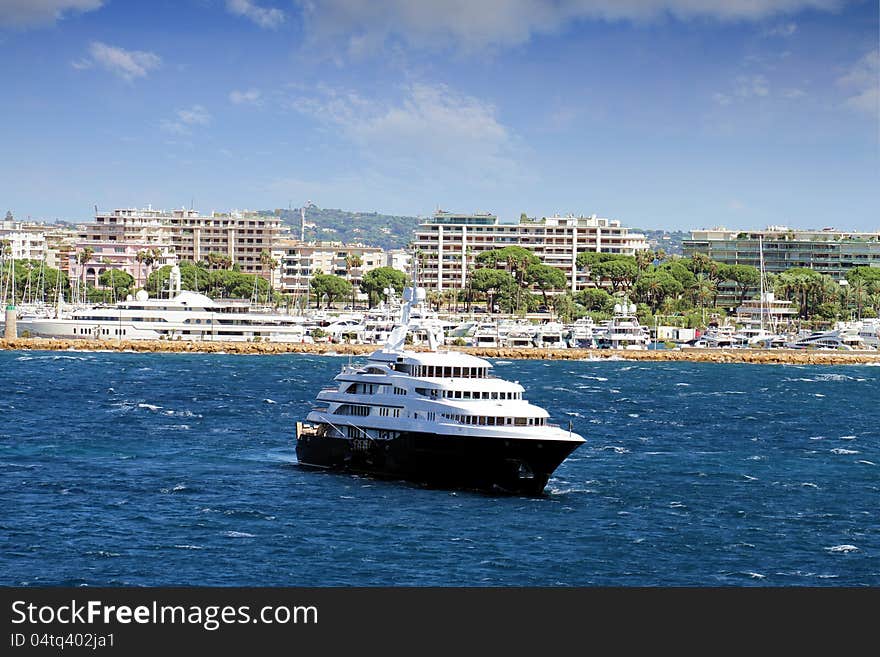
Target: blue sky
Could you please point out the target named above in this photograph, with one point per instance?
(670, 114)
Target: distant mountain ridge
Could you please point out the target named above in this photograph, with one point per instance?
(391, 231)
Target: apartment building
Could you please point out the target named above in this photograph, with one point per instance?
(299, 261)
(448, 243)
(828, 250)
(116, 237)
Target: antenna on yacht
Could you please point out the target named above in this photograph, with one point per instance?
(412, 296)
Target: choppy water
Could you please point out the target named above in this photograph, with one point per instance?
(180, 469)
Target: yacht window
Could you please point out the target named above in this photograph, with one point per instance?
(520, 422)
(494, 395)
(458, 394)
(456, 371)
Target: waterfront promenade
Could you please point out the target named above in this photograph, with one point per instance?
(756, 356)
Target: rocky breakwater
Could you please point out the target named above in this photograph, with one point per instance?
(756, 356)
(184, 346)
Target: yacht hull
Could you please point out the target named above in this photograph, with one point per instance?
(497, 465)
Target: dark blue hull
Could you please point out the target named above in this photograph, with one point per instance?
(497, 465)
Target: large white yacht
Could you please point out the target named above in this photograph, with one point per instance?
(436, 417)
(186, 315)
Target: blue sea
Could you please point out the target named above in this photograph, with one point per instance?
(179, 469)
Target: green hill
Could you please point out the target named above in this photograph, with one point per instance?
(370, 228)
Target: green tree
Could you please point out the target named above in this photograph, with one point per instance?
(807, 288)
(654, 286)
(620, 272)
(334, 287)
(545, 277)
(375, 281)
(680, 272)
(595, 299)
(491, 282)
(644, 259)
(745, 277)
(565, 307)
(702, 290)
(117, 280)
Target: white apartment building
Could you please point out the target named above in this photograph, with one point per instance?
(449, 242)
(299, 261)
(26, 242)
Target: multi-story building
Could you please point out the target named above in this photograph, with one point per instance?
(242, 236)
(828, 251)
(448, 242)
(39, 241)
(26, 242)
(399, 259)
(117, 237)
(299, 261)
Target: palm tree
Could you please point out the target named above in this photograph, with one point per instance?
(268, 262)
(643, 259)
(141, 256)
(859, 291)
(702, 290)
(352, 261)
(83, 257)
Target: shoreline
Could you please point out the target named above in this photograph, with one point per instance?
(754, 356)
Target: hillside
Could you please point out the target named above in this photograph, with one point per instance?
(370, 228)
(668, 240)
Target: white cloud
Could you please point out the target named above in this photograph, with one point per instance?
(34, 13)
(783, 30)
(863, 83)
(751, 86)
(265, 18)
(745, 87)
(185, 119)
(127, 64)
(471, 24)
(249, 97)
(431, 131)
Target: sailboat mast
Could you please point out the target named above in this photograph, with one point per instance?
(761, 262)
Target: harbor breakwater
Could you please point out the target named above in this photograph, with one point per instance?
(755, 356)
